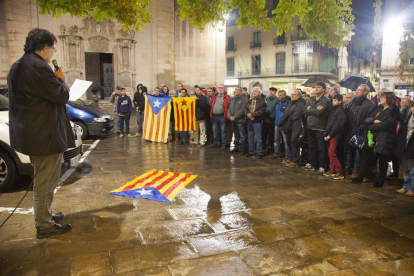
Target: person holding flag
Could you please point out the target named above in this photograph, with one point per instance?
(184, 115)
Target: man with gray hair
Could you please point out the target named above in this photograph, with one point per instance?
(255, 109)
(358, 110)
(237, 118)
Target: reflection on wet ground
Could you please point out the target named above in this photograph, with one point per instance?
(240, 216)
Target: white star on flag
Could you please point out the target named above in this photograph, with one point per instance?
(144, 192)
(157, 103)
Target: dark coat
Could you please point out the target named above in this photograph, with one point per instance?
(236, 109)
(385, 131)
(336, 123)
(291, 119)
(202, 107)
(358, 110)
(139, 101)
(404, 149)
(124, 105)
(37, 112)
(317, 118)
(258, 113)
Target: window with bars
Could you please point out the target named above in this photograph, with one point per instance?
(256, 64)
(230, 67)
(280, 63)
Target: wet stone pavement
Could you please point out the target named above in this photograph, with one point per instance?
(240, 216)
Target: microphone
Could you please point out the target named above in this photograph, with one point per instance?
(55, 64)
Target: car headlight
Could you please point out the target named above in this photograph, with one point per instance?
(99, 120)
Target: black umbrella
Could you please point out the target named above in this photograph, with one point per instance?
(352, 82)
(311, 82)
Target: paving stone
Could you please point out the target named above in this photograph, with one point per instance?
(274, 257)
(173, 230)
(403, 267)
(91, 264)
(225, 242)
(148, 256)
(275, 232)
(315, 269)
(358, 258)
(222, 264)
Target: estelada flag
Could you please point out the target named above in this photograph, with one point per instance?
(155, 185)
(157, 118)
(184, 114)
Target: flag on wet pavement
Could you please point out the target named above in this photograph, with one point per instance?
(155, 185)
(157, 118)
(184, 114)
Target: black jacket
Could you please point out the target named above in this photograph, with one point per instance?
(139, 101)
(202, 107)
(291, 119)
(37, 108)
(336, 122)
(358, 110)
(404, 149)
(317, 118)
(385, 131)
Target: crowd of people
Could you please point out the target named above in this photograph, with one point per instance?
(334, 134)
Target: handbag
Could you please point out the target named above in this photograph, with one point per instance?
(357, 140)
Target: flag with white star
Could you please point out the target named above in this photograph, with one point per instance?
(157, 118)
(155, 185)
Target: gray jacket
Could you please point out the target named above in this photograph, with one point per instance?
(316, 118)
(236, 109)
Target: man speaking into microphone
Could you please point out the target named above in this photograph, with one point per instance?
(39, 126)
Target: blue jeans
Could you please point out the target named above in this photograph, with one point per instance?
(278, 133)
(219, 126)
(124, 120)
(140, 119)
(255, 129)
(240, 136)
(408, 184)
(352, 159)
(118, 122)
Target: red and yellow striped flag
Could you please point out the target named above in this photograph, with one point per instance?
(157, 118)
(155, 185)
(184, 114)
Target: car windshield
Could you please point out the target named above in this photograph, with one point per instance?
(77, 102)
(4, 103)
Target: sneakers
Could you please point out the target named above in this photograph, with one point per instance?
(411, 194)
(129, 135)
(121, 135)
(338, 176)
(56, 229)
(308, 167)
(321, 171)
(401, 191)
(329, 174)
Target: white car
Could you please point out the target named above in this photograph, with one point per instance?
(13, 163)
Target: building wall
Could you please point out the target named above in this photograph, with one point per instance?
(164, 52)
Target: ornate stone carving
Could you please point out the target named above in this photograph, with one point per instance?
(127, 35)
(62, 29)
(92, 27)
(98, 44)
(73, 30)
(125, 79)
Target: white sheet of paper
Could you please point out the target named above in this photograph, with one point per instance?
(78, 88)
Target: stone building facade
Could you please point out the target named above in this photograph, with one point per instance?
(167, 51)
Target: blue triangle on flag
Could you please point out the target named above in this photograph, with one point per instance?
(157, 103)
(150, 193)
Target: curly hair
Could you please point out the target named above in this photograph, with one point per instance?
(37, 39)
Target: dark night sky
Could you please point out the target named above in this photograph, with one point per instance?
(364, 13)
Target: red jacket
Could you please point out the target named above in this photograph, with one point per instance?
(226, 101)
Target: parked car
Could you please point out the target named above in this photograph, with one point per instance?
(92, 120)
(13, 163)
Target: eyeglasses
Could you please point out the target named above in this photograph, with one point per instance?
(53, 49)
